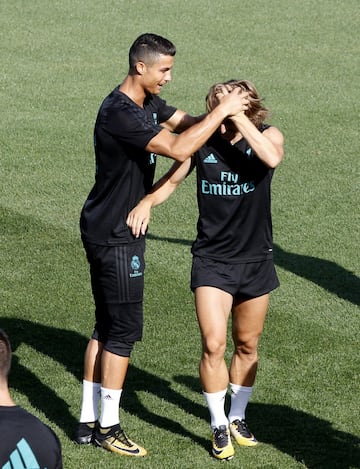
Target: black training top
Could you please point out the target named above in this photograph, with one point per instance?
(233, 190)
(26, 441)
(124, 169)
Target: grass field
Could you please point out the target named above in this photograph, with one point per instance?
(58, 61)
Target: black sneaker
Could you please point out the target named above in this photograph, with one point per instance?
(241, 433)
(85, 433)
(114, 439)
(222, 447)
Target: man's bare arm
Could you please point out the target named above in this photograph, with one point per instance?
(180, 147)
(181, 121)
(268, 145)
(139, 217)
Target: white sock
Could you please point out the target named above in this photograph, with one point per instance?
(110, 401)
(90, 401)
(240, 396)
(216, 405)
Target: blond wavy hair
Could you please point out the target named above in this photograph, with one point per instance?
(257, 112)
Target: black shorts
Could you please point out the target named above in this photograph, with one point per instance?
(242, 281)
(117, 281)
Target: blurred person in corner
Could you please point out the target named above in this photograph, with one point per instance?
(25, 440)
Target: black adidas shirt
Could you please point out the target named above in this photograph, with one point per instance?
(233, 190)
(26, 442)
(124, 169)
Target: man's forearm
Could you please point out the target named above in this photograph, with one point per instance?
(188, 121)
(268, 145)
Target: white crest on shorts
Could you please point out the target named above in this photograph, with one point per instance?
(135, 263)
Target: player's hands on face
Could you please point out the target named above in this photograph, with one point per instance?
(139, 217)
(235, 101)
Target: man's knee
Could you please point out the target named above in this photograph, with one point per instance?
(214, 347)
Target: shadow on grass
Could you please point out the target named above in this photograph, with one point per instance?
(304, 437)
(327, 274)
(301, 435)
(67, 348)
(63, 346)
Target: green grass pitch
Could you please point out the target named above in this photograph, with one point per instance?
(58, 61)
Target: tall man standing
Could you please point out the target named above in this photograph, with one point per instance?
(133, 125)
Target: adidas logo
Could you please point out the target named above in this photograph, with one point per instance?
(210, 159)
(22, 455)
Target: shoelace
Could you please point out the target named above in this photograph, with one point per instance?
(242, 428)
(221, 437)
(120, 435)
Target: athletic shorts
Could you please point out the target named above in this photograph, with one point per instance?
(117, 281)
(242, 281)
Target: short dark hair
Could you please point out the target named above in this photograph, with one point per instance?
(5, 355)
(147, 48)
